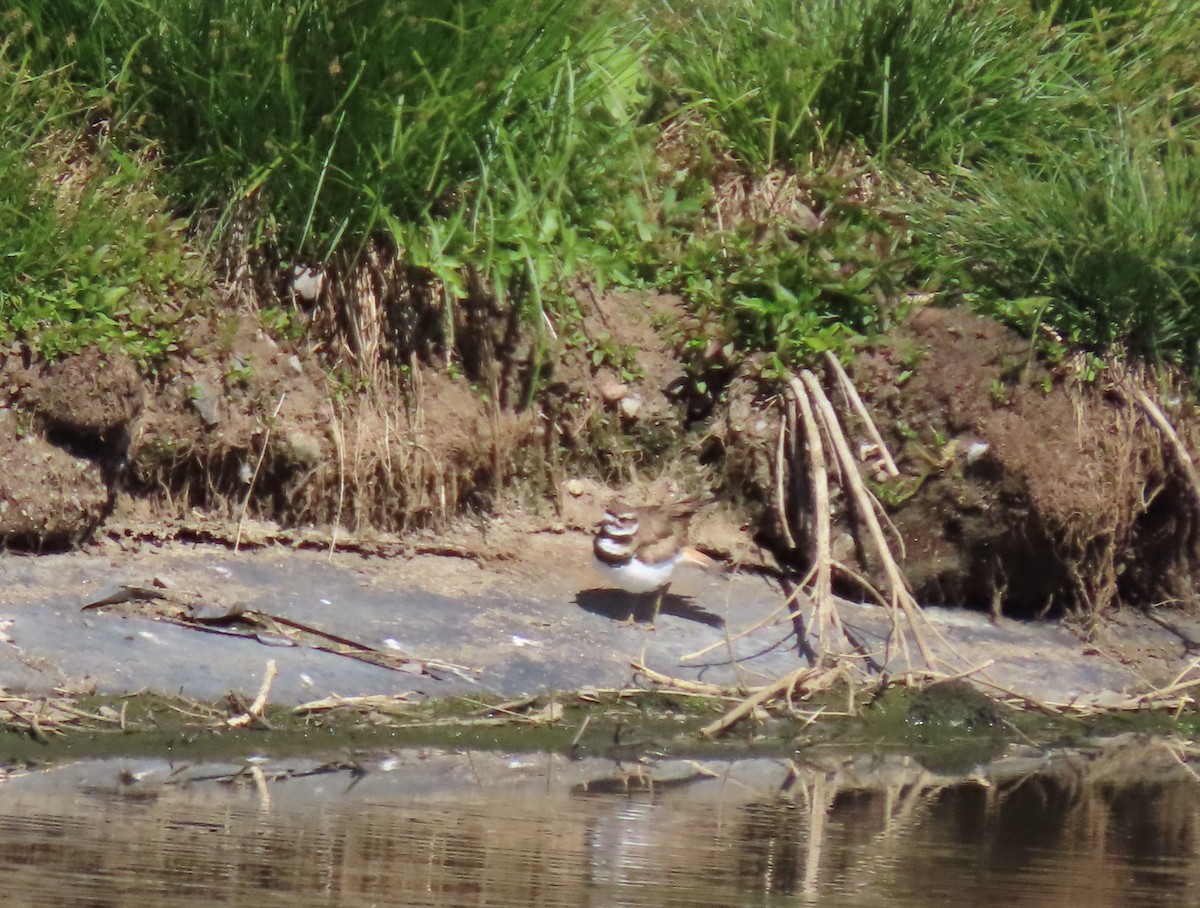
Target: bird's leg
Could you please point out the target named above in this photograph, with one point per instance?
(631, 621)
(659, 594)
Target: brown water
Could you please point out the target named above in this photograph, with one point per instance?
(1113, 827)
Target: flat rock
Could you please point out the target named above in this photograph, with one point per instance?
(509, 634)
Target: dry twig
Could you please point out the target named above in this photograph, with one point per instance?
(255, 711)
(257, 468)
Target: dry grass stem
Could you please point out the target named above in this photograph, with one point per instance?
(379, 703)
(339, 442)
(257, 469)
(45, 716)
(783, 612)
(1156, 416)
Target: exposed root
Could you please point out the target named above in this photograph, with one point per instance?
(860, 408)
(808, 409)
(828, 622)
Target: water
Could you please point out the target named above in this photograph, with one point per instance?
(1117, 826)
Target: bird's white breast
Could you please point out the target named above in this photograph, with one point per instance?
(636, 577)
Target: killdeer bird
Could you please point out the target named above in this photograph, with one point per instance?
(637, 549)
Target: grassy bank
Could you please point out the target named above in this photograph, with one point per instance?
(88, 251)
(792, 168)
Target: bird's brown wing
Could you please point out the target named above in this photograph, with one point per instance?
(660, 534)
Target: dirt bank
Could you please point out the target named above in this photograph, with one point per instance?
(1020, 486)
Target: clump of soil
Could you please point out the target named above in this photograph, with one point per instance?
(93, 396)
(247, 421)
(64, 435)
(1022, 489)
(243, 425)
(48, 498)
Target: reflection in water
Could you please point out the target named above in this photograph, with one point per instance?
(1112, 827)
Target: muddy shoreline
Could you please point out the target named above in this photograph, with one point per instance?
(456, 637)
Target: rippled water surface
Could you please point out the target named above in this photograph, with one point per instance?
(1117, 827)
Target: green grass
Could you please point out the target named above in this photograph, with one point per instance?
(87, 253)
(1044, 154)
(1098, 242)
(937, 83)
(1039, 153)
(1092, 233)
(464, 135)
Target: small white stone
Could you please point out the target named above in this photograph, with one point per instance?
(976, 450)
(307, 282)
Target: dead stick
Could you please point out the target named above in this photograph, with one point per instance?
(747, 706)
(679, 684)
(255, 711)
(829, 621)
(780, 472)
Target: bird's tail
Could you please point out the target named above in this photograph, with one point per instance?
(698, 558)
